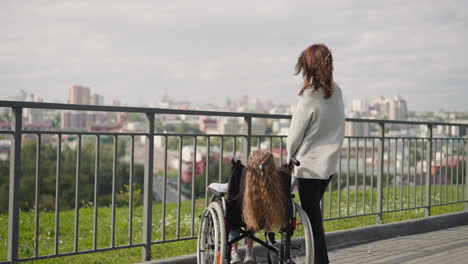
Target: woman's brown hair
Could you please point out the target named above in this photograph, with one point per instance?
(316, 65)
(264, 203)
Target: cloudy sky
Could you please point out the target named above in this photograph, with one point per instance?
(204, 51)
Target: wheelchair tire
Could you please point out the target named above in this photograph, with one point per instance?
(222, 239)
(211, 243)
(302, 246)
(201, 229)
(208, 232)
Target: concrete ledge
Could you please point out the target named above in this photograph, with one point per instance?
(355, 236)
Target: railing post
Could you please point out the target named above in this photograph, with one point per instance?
(148, 188)
(380, 178)
(248, 122)
(465, 169)
(428, 174)
(15, 170)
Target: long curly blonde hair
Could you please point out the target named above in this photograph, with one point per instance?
(264, 198)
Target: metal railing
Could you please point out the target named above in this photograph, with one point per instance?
(376, 175)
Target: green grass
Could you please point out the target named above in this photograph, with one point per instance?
(66, 235)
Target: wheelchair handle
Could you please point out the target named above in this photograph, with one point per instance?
(294, 161)
(235, 160)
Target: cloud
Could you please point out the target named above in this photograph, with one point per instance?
(233, 48)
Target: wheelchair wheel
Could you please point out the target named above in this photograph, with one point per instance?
(222, 239)
(302, 242)
(211, 242)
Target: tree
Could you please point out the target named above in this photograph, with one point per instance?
(68, 175)
(213, 176)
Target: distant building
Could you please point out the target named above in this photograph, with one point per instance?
(356, 129)
(107, 127)
(258, 126)
(398, 109)
(229, 105)
(382, 106)
(82, 120)
(280, 110)
(235, 125)
(360, 106)
(97, 99)
(121, 118)
(21, 95)
(135, 126)
(33, 115)
(95, 118)
(260, 105)
(281, 126)
(80, 94)
(229, 125)
(451, 131)
(165, 101)
(74, 120)
(208, 125)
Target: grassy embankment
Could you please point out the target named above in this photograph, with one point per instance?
(66, 235)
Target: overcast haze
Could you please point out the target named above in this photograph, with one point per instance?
(204, 51)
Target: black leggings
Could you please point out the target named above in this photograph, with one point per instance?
(310, 193)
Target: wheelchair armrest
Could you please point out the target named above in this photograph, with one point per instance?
(218, 189)
(215, 193)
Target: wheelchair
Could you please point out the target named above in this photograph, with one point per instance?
(224, 214)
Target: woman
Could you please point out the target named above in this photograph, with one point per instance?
(316, 136)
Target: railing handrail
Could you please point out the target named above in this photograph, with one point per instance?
(384, 143)
(131, 109)
(155, 110)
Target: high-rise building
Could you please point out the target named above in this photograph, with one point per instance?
(398, 109)
(77, 120)
(97, 99)
(32, 115)
(80, 94)
(21, 95)
(74, 120)
(360, 106)
(356, 129)
(382, 105)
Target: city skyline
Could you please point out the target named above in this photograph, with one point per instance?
(363, 107)
(393, 108)
(207, 51)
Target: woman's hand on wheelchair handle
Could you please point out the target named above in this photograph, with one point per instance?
(294, 161)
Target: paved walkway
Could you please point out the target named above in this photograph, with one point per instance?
(444, 246)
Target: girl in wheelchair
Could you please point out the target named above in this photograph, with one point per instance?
(258, 198)
(264, 199)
